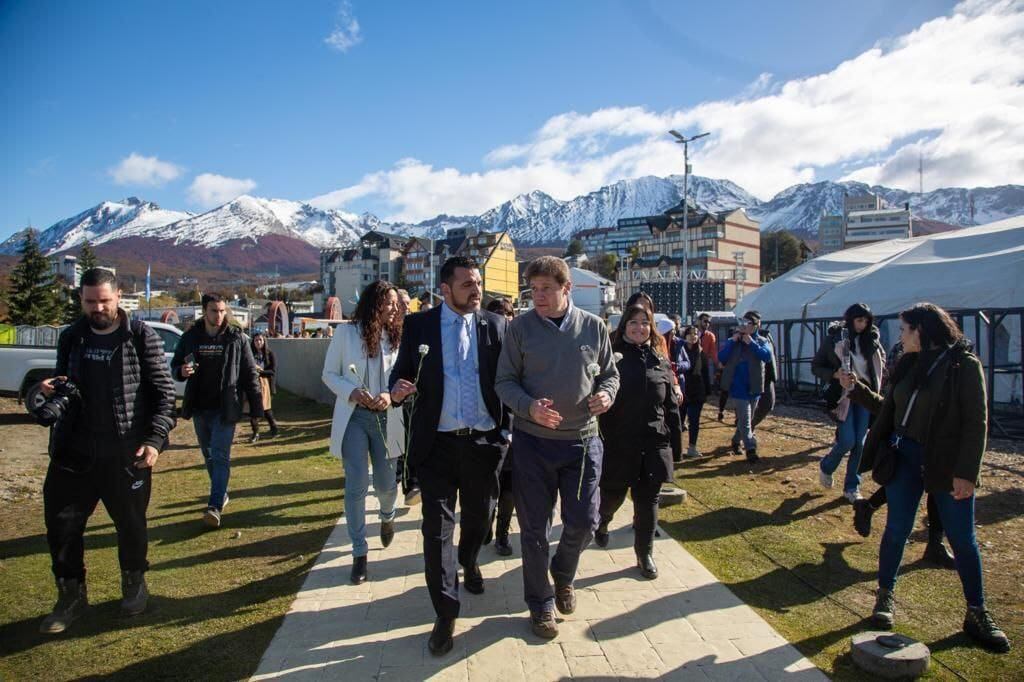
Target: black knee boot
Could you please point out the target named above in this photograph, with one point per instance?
(269, 414)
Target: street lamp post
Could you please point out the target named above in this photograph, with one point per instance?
(685, 141)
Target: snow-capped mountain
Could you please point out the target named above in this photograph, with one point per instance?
(534, 218)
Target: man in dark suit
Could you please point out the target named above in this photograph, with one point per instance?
(459, 432)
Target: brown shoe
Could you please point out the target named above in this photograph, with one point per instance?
(544, 625)
(565, 598)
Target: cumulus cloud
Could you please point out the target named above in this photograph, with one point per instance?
(346, 33)
(136, 169)
(209, 189)
(951, 91)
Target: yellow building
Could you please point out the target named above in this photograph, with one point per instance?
(496, 254)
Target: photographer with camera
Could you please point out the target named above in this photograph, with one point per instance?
(111, 407)
(744, 356)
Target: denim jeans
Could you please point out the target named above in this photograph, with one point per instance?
(543, 470)
(904, 492)
(692, 415)
(215, 436)
(362, 444)
(744, 423)
(849, 439)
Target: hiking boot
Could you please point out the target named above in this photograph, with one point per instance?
(565, 598)
(502, 546)
(473, 579)
(692, 452)
(543, 624)
(862, 513)
(980, 626)
(852, 496)
(824, 479)
(387, 532)
(885, 609)
(134, 593)
(358, 575)
(212, 517)
(936, 553)
(648, 568)
(72, 601)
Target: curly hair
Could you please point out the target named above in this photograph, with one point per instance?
(370, 316)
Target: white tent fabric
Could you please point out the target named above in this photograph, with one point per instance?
(975, 267)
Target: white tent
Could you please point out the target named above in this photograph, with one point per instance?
(968, 269)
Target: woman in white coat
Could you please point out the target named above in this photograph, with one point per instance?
(366, 428)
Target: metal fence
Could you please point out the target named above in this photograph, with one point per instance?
(995, 333)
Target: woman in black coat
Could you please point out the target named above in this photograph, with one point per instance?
(640, 432)
(267, 364)
(698, 378)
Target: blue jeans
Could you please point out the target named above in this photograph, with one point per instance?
(904, 492)
(744, 423)
(215, 436)
(545, 469)
(849, 439)
(362, 444)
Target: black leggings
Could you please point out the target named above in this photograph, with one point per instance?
(878, 500)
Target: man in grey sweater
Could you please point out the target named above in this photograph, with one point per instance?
(556, 373)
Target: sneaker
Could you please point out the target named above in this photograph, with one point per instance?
(824, 479)
(225, 503)
(980, 626)
(862, 513)
(254, 438)
(72, 601)
(852, 496)
(565, 598)
(735, 448)
(885, 609)
(134, 593)
(692, 452)
(212, 517)
(543, 624)
(413, 497)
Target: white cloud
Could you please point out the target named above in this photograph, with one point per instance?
(346, 33)
(209, 189)
(954, 86)
(136, 169)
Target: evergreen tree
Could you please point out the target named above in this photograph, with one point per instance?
(86, 256)
(72, 294)
(575, 248)
(33, 297)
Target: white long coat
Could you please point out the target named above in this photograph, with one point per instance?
(347, 349)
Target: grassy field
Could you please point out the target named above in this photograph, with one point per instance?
(218, 596)
(787, 548)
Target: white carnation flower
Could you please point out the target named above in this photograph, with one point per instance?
(424, 349)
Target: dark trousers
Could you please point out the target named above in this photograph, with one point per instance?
(506, 502)
(70, 496)
(879, 498)
(765, 404)
(463, 469)
(692, 415)
(645, 509)
(542, 469)
(723, 398)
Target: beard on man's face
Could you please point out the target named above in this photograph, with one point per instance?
(101, 320)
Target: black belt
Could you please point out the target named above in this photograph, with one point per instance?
(463, 433)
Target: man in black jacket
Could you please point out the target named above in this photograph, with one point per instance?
(105, 445)
(215, 359)
(459, 432)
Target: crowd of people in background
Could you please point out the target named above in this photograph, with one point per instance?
(436, 401)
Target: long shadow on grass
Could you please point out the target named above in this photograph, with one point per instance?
(716, 465)
(727, 521)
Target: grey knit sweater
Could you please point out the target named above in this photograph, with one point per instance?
(539, 360)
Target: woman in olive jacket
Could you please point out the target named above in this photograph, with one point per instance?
(640, 431)
(934, 421)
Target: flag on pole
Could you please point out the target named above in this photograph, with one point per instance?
(148, 271)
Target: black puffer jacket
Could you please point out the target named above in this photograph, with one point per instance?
(241, 376)
(142, 387)
(641, 430)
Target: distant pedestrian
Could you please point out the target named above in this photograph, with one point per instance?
(698, 379)
(744, 356)
(266, 362)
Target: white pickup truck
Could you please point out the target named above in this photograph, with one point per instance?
(22, 367)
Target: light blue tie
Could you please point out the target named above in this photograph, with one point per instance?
(467, 376)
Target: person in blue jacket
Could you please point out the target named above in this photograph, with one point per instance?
(743, 357)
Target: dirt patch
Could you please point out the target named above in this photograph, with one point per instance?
(23, 457)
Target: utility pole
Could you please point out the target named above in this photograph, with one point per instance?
(685, 141)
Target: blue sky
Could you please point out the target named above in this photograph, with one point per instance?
(454, 107)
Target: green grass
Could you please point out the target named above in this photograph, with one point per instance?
(788, 549)
(217, 599)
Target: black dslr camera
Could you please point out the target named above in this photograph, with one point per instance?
(65, 400)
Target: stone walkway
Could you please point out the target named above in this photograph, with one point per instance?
(683, 626)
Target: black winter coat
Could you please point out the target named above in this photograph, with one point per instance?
(269, 368)
(241, 376)
(698, 377)
(142, 387)
(641, 431)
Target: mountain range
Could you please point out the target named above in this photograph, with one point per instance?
(251, 232)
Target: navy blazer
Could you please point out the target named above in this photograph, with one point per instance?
(425, 328)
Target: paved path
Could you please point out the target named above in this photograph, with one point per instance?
(683, 626)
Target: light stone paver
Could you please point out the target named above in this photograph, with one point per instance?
(683, 626)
